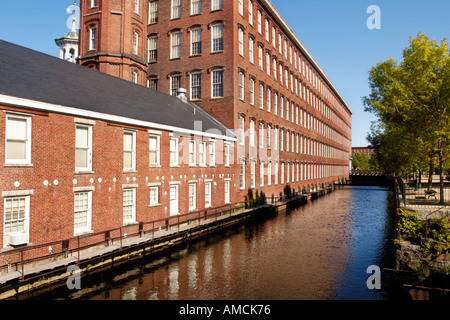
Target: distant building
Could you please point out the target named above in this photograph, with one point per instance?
(364, 150)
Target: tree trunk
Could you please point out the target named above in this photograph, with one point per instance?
(441, 178)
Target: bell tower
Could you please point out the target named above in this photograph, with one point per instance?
(113, 38)
(69, 44)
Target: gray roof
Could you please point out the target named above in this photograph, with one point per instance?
(29, 74)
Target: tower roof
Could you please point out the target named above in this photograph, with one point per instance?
(72, 35)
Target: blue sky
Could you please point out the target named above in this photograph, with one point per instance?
(333, 31)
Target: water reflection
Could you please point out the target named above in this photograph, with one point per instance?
(318, 251)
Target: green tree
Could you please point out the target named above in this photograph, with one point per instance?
(360, 161)
(412, 102)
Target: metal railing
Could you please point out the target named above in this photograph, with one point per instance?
(421, 194)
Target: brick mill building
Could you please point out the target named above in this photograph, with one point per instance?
(86, 152)
(240, 62)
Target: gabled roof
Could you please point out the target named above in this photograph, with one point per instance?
(31, 75)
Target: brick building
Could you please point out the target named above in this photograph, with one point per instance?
(241, 63)
(86, 152)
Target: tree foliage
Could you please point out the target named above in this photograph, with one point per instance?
(411, 100)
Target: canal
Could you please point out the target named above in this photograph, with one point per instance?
(318, 251)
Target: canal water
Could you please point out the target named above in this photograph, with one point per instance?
(318, 251)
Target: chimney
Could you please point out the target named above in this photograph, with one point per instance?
(181, 94)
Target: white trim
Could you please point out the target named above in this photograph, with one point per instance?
(19, 193)
(28, 103)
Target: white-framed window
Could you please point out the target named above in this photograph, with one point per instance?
(260, 57)
(18, 139)
(93, 3)
(261, 174)
(279, 44)
(16, 217)
(250, 12)
(252, 133)
(154, 195)
(241, 86)
(287, 141)
(136, 43)
(217, 84)
(261, 135)
(212, 153)
(275, 103)
(269, 137)
(152, 49)
(216, 5)
(274, 37)
(274, 65)
(242, 131)
(152, 83)
(282, 173)
(134, 77)
(192, 152)
(261, 96)
(227, 191)
(176, 9)
(253, 174)
(242, 175)
(267, 30)
(192, 196)
(252, 91)
(129, 150)
(217, 38)
(251, 54)
(226, 154)
(83, 148)
(175, 44)
(153, 11)
(282, 140)
(287, 172)
(129, 205)
(276, 173)
(196, 86)
(175, 84)
(155, 149)
(196, 42)
(269, 100)
(241, 7)
(269, 173)
(196, 7)
(241, 41)
(202, 153)
(136, 6)
(174, 151)
(268, 63)
(174, 199)
(83, 212)
(275, 139)
(92, 37)
(259, 22)
(208, 191)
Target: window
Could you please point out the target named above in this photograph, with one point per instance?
(129, 150)
(134, 77)
(16, 219)
(241, 42)
(241, 7)
(153, 49)
(192, 158)
(241, 86)
(154, 195)
(269, 173)
(252, 133)
(242, 175)
(196, 86)
(259, 22)
(261, 96)
(196, 7)
(152, 83)
(274, 38)
(253, 174)
(216, 5)
(274, 63)
(282, 107)
(275, 103)
(251, 44)
(82, 212)
(174, 151)
(175, 43)
(136, 43)
(261, 135)
(252, 91)
(202, 153)
(217, 84)
(18, 139)
(173, 200)
(129, 205)
(268, 63)
(227, 191)
(282, 140)
(279, 44)
(261, 174)
(212, 154)
(192, 196)
(269, 100)
(83, 148)
(92, 34)
(267, 30)
(260, 57)
(275, 140)
(250, 12)
(241, 131)
(208, 191)
(282, 173)
(227, 155)
(136, 6)
(93, 3)
(269, 138)
(175, 84)
(153, 11)
(155, 150)
(287, 172)
(276, 173)
(176, 9)
(217, 38)
(196, 42)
